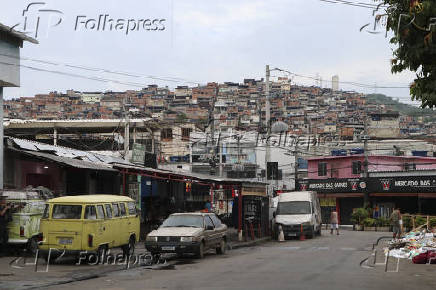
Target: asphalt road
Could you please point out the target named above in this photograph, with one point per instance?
(326, 262)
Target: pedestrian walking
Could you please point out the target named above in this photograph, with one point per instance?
(334, 222)
(396, 223)
(5, 218)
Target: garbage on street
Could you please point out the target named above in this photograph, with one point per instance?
(418, 246)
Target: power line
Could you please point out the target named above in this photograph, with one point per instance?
(344, 82)
(356, 4)
(104, 70)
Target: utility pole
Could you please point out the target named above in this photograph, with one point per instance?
(211, 149)
(126, 133)
(295, 167)
(365, 164)
(239, 149)
(267, 120)
(220, 149)
(55, 136)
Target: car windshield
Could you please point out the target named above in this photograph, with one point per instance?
(183, 221)
(294, 207)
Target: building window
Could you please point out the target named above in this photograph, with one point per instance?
(166, 134)
(357, 167)
(186, 132)
(322, 169)
(409, 166)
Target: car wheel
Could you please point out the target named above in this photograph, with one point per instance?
(155, 257)
(32, 246)
(200, 251)
(221, 250)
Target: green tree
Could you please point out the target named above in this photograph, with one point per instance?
(413, 27)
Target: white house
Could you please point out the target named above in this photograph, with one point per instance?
(10, 43)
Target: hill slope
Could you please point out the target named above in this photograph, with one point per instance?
(404, 109)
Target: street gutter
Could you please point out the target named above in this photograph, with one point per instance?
(237, 245)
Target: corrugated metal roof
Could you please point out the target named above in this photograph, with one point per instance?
(65, 152)
(76, 163)
(17, 34)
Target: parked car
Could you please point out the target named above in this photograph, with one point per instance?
(298, 213)
(93, 223)
(193, 233)
(27, 210)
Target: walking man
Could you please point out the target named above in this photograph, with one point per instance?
(334, 222)
(4, 220)
(396, 223)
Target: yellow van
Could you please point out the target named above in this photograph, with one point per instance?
(92, 223)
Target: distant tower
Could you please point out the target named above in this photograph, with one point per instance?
(335, 83)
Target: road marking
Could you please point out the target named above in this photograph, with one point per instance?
(290, 248)
(348, 249)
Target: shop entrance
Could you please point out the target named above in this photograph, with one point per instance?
(346, 206)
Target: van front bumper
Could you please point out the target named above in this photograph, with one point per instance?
(294, 230)
(172, 247)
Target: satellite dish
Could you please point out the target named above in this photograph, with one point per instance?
(279, 127)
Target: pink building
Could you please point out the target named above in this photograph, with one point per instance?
(406, 182)
(351, 166)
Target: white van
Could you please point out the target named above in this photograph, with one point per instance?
(298, 212)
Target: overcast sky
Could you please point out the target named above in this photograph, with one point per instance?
(201, 41)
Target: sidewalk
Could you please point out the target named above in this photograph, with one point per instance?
(234, 243)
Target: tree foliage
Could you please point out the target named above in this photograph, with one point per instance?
(413, 23)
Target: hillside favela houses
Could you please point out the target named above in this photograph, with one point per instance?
(184, 147)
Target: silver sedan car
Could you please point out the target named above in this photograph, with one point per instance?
(192, 233)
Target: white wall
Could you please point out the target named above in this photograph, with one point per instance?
(286, 164)
(9, 74)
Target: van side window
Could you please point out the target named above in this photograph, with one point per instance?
(132, 208)
(100, 212)
(66, 211)
(122, 209)
(108, 211)
(116, 209)
(90, 213)
(46, 210)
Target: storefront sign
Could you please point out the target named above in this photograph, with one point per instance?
(138, 153)
(418, 184)
(407, 184)
(332, 185)
(259, 191)
(327, 201)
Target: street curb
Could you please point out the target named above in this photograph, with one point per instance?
(248, 244)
